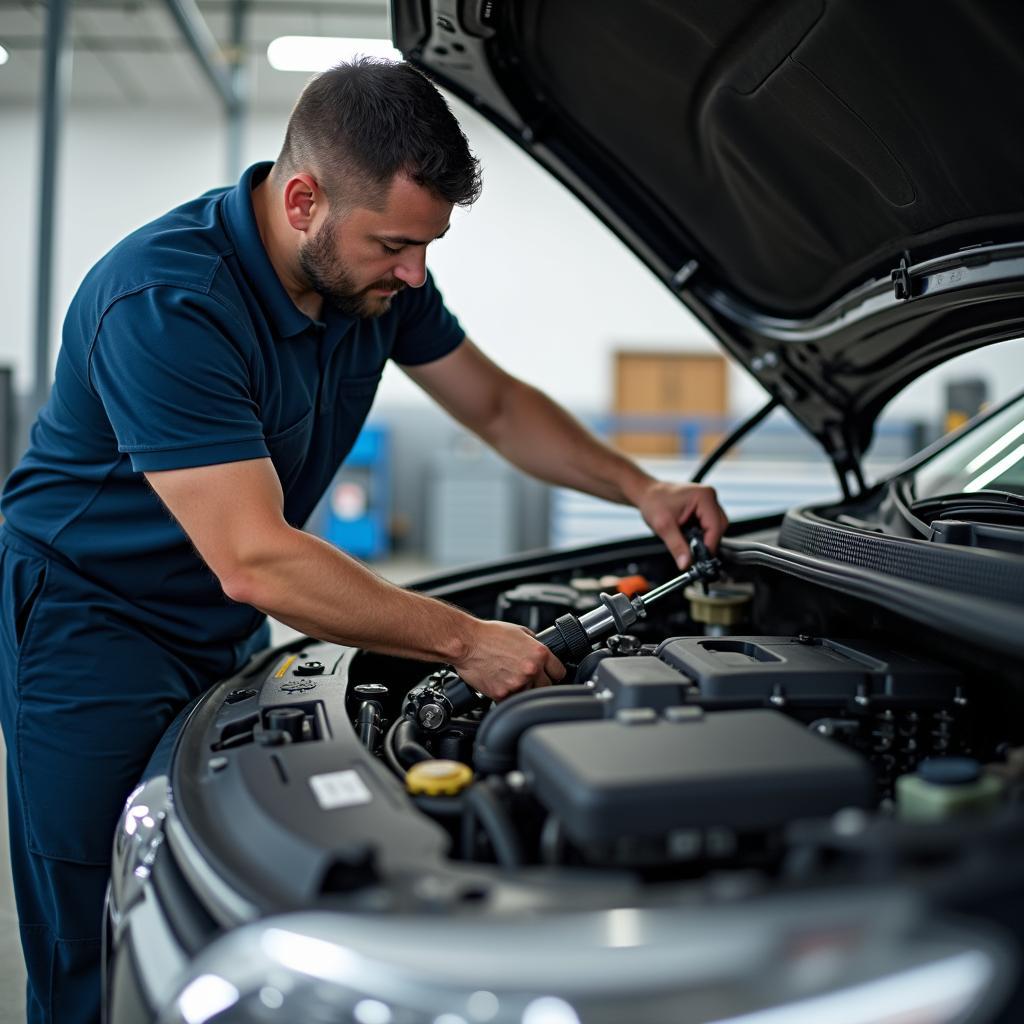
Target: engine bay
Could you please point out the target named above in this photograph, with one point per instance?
(687, 752)
(705, 741)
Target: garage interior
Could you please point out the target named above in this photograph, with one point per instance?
(112, 111)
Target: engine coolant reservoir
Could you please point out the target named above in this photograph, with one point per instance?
(722, 607)
(947, 787)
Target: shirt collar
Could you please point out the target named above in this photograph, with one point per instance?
(287, 318)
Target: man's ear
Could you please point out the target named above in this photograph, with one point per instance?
(303, 199)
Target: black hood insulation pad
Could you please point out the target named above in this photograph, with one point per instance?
(801, 146)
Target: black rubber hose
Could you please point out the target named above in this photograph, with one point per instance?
(497, 742)
(408, 748)
(387, 749)
(482, 803)
(401, 750)
(510, 706)
(368, 724)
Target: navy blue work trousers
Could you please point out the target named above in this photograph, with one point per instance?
(85, 694)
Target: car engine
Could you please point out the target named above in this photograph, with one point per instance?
(757, 727)
(673, 753)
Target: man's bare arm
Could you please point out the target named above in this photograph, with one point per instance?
(233, 514)
(540, 437)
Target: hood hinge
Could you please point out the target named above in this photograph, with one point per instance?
(846, 461)
(900, 278)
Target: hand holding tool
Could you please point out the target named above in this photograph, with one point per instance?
(571, 637)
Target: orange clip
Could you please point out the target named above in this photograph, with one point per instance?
(632, 585)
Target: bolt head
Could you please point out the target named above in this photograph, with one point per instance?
(431, 716)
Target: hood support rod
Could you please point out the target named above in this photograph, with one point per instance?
(841, 451)
(737, 434)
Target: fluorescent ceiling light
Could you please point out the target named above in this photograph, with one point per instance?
(318, 53)
(4, 56)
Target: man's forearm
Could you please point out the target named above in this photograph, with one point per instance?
(233, 514)
(541, 438)
(312, 587)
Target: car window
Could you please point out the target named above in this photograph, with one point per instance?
(989, 457)
(941, 401)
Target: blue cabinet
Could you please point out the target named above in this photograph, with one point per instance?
(354, 514)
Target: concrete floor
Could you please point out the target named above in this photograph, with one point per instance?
(12, 970)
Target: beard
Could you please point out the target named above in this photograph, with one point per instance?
(335, 282)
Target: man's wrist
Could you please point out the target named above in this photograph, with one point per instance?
(634, 483)
(455, 635)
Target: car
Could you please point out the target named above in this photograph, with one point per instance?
(785, 788)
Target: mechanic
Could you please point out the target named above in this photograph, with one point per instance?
(217, 365)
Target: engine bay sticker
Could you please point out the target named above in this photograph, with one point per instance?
(340, 789)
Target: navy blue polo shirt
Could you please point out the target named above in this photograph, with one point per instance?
(182, 348)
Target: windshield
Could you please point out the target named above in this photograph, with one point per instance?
(988, 458)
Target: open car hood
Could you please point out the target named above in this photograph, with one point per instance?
(835, 189)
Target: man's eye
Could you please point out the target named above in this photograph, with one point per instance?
(389, 250)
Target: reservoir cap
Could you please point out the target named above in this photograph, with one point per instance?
(949, 771)
(438, 778)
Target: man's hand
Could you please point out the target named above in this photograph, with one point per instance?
(666, 507)
(505, 658)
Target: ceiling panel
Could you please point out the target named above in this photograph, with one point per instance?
(131, 52)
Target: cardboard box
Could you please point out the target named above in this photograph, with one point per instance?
(670, 385)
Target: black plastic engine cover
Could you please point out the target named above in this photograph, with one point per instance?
(744, 668)
(646, 776)
(641, 682)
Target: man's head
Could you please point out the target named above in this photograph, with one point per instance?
(373, 162)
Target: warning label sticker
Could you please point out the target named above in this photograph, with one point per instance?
(340, 789)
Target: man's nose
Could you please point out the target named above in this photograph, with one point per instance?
(412, 268)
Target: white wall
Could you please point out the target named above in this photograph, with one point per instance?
(117, 171)
(543, 287)
(535, 279)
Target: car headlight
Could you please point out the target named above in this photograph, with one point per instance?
(140, 831)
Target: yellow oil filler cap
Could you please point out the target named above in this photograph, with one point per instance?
(438, 778)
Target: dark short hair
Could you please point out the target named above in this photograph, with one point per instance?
(359, 124)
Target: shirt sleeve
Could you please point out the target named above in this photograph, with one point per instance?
(426, 330)
(169, 366)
